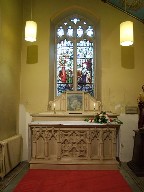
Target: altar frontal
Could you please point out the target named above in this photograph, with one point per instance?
(63, 136)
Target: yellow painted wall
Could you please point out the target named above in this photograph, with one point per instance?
(10, 61)
(120, 75)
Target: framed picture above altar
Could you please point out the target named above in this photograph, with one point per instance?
(75, 102)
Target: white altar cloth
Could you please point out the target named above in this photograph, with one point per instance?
(63, 123)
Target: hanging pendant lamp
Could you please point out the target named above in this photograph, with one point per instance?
(126, 32)
(31, 29)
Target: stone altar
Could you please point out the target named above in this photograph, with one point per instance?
(61, 138)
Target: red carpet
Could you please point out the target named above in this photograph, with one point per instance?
(38, 180)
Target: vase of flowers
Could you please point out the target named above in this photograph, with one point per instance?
(103, 118)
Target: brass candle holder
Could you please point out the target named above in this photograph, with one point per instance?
(54, 109)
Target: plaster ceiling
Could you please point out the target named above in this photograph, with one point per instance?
(134, 8)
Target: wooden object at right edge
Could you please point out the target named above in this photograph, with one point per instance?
(137, 162)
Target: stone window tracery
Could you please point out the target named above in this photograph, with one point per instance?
(75, 55)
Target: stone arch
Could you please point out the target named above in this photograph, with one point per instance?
(57, 17)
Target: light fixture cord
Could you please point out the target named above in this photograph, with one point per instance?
(125, 6)
(31, 10)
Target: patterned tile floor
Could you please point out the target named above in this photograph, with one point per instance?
(136, 183)
(11, 180)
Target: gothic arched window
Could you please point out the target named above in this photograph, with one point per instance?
(75, 48)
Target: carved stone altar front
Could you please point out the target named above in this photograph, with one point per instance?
(62, 137)
(70, 144)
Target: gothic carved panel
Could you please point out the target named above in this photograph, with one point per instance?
(73, 144)
(59, 143)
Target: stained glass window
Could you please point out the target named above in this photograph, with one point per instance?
(75, 47)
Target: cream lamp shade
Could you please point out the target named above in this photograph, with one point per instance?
(30, 31)
(126, 33)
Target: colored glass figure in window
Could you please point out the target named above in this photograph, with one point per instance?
(75, 48)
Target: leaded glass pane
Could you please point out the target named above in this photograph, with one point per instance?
(60, 32)
(75, 20)
(85, 77)
(70, 31)
(75, 55)
(89, 31)
(79, 31)
(64, 66)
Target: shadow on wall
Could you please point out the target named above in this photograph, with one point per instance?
(32, 54)
(127, 57)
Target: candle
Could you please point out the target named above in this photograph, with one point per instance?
(54, 108)
(94, 106)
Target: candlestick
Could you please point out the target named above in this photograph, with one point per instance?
(94, 106)
(54, 108)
